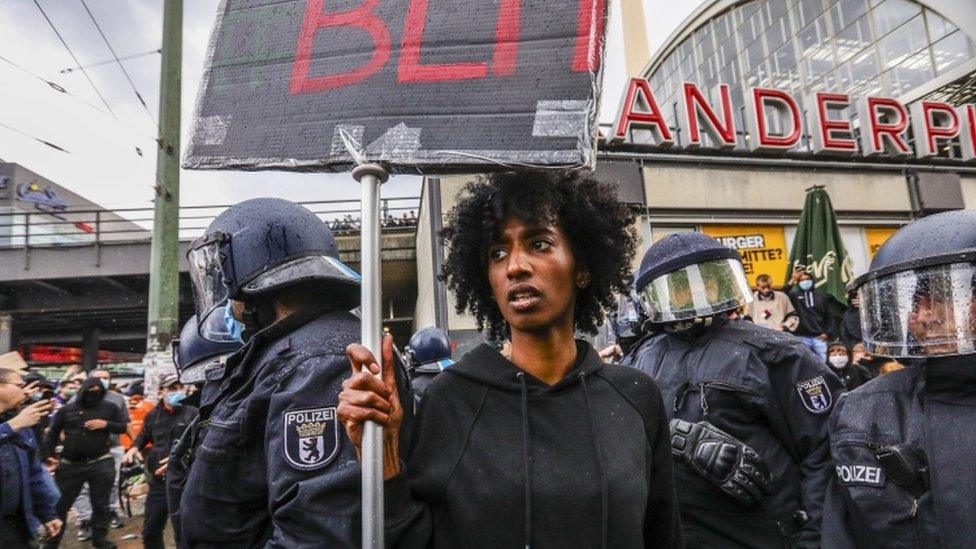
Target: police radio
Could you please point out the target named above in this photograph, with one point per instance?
(906, 466)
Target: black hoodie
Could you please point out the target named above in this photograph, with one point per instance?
(80, 444)
(500, 459)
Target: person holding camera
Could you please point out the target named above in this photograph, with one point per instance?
(28, 495)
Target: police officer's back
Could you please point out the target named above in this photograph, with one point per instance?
(271, 464)
(748, 405)
(903, 444)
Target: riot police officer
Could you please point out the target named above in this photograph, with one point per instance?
(903, 444)
(196, 359)
(270, 465)
(428, 352)
(748, 405)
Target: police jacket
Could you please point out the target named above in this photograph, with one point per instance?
(932, 409)
(770, 392)
(272, 466)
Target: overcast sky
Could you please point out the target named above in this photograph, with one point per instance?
(102, 162)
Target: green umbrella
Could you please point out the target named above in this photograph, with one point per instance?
(818, 247)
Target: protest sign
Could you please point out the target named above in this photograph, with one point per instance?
(414, 85)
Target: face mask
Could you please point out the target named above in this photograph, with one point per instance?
(175, 399)
(234, 327)
(104, 383)
(838, 361)
(90, 399)
(805, 285)
(68, 393)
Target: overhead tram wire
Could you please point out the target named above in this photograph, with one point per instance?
(118, 62)
(75, 58)
(38, 139)
(60, 89)
(123, 58)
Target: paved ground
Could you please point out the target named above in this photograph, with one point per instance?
(126, 537)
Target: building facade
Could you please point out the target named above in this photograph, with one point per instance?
(750, 103)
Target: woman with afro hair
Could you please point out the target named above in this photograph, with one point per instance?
(549, 447)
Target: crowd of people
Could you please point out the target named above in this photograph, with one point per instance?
(73, 436)
(350, 224)
(830, 329)
(724, 416)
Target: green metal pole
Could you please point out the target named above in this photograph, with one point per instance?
(164, 276)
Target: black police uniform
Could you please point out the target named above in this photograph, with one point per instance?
(770, 392)
(871, 504)
(273, 466)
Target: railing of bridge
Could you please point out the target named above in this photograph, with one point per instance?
(73, 227)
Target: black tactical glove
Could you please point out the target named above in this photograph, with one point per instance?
(722, 459)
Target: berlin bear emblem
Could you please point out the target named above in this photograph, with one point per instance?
(815, 395)
(311, 438)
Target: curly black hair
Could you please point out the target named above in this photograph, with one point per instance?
(599, 227)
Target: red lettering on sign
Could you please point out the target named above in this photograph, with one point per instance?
(968, 112)
(695, 104)
(760, 96)
(886, 131)
(507, 37)
(361, 17)
(827, 126)
(410, 69)
(925, 116)
(590, 22)
(629, 116)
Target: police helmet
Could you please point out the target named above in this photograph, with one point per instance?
(690, 275)
(918, 299)
(264, 245)
(430, 347)
(193, 355)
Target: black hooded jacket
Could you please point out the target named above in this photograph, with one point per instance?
(500, 459)
(81, 444)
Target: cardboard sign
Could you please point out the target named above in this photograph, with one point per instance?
(762, 247)
(320, 85)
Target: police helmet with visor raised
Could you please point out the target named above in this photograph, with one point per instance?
(690, 275)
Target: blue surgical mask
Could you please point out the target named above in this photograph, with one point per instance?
(234, 327)
(175, 399)
(806, 284)
(104, 383)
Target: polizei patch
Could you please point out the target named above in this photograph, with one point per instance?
(815, 395)
(311, 438)
(860, 475)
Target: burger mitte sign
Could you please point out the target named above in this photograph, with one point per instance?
(884, 122)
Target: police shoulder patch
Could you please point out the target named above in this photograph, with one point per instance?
(815, 395)
(311, 437)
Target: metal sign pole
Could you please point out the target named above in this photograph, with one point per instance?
(371, 176)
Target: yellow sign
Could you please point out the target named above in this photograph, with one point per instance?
(875, 237)
(762, 247)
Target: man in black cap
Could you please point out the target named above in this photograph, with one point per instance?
(162, 426)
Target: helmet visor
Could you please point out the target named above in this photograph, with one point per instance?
(702, 289)
(197, 373)
(207, 277)
(311, 267)
(923, 312)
